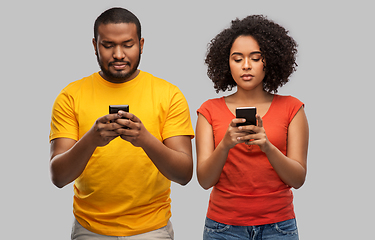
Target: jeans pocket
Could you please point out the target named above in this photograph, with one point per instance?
(288, 227)
(213, 226)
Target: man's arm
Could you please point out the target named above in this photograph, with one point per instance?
(68, 160)
(173, 156)
(69, 157)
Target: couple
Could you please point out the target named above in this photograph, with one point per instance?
(122, 163)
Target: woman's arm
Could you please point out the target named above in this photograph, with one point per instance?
(211, 160)
(291, 168)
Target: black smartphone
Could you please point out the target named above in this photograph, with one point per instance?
(249, 113)
(116, 108)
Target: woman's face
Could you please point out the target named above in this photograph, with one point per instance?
(246, 63)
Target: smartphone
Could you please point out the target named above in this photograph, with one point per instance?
(116, 108)
(249, 113)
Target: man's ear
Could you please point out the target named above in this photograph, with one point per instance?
(141, 42)
(95, 46)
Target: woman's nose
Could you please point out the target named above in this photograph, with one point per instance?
(246, 64)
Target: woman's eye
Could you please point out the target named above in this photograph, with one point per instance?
(256, 59)
(237, 60)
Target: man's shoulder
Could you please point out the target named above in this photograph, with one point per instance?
(77, 84)
(151, 77)
(157, 82)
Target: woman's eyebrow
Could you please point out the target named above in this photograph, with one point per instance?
(241, 54)
(255, 52)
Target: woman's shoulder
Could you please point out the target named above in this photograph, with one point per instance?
(287, 99)
(286, 105)
(213, 102)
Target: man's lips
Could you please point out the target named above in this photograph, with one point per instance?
(119, 65)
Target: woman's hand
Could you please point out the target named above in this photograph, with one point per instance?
(234, 134)
(256, 135)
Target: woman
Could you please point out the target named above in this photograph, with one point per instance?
(251, 168)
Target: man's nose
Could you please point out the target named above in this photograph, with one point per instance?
(118, 53)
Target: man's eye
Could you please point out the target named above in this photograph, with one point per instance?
(128, 46)
(107, 46)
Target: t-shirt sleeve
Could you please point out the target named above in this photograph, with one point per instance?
(63, 120)
(178, 121)
(294, 106)
(204, 110)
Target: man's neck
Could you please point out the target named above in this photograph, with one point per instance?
(119, 80)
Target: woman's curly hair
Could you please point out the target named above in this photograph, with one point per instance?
(278, 50)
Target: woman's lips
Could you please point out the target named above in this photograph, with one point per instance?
(247, 77)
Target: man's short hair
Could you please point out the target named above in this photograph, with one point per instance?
(117, 15)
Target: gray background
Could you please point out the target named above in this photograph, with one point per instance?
(47, 44)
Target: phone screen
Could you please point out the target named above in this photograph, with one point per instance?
(249, 113)
(116, 108)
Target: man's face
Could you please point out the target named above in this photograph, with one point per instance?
(118, 51)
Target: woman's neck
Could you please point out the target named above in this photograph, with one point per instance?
(247, 98)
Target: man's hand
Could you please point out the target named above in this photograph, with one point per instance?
(132, 129)
(105, 129)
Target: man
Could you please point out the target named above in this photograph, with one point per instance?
(122, 163)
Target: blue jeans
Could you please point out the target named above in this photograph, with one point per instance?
(286, 230)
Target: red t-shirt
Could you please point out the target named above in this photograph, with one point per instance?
(249, 191)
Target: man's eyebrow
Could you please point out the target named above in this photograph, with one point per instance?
(111, 42)
(241, 54)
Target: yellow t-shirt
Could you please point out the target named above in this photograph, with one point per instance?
(121, 192)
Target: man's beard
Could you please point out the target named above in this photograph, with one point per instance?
(119, 76)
